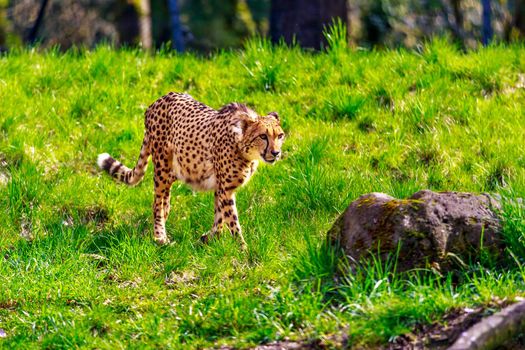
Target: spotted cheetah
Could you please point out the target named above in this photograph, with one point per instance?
(208, 149)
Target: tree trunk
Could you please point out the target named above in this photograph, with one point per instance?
(126, 22)
(518, 19)
(34, 31)
(458, 14)
(487, 22)
(458, 18)
(177, 40)
(304, 21)
(145, 24)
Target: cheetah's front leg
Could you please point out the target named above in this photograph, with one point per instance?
(225, 214)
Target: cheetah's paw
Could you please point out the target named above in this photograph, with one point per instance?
(162, 240)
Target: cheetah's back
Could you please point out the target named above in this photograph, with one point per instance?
(180, 131)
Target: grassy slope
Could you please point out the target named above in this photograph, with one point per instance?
(357, 122)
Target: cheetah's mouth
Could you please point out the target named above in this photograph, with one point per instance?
(270, 161)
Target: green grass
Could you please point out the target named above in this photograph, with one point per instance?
(357, 121)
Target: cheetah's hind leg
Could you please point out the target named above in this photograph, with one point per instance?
(161, 208)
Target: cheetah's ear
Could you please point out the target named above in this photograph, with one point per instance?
(275, 115)
(241, 122)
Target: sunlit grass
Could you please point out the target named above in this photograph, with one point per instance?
(357, 122)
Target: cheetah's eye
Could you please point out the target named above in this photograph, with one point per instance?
(280, 136)
(263, 136)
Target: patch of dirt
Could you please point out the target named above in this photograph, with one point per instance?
(99, 329)
(97, 215)
(4, 177)
(176, 278)
(26, 228)
(120, 282)
(503, 330)
(285, 345)
(436, 336)
(100, 260)
(331, 342)
(520, 84)
(518, 343)
(8, 305)
(130, 284)
(4, 170)
(440, 335)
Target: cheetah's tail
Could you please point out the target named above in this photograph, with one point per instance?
(121, 172)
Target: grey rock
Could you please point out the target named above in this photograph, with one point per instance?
(427, 230)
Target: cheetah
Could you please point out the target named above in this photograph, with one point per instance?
(208, 149)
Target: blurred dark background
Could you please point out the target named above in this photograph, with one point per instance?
(206, 25)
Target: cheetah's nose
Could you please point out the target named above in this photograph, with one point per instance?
(275, 153)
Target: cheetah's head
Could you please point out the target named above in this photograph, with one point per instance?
(258, 137)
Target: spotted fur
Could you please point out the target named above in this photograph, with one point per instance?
(208, 149)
